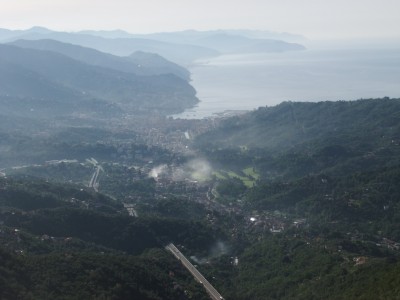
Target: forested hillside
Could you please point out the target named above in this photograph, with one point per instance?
(295, 139)
(322, 178)
(62, 241)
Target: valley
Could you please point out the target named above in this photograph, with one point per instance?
(290, 192)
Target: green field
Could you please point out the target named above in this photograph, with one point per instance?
(249, 176)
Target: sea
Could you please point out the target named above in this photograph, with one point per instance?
(231, 83)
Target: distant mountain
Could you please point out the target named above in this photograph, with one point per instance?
(156, 64)
(26, 93)
(140, 64)
(227, 43)
(187, 36)
(6, 34)
(40, 29)
(224, 41)
(264, 34)
(182, 47)
(45, 75)
(179, 53)
(108, 34)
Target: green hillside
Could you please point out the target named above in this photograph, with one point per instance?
(65, 242)
(296, 139)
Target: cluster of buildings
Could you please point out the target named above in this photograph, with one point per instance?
(168, 133)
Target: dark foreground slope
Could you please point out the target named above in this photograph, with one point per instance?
(65, 242)
(86, 275)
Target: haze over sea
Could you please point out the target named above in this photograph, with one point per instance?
(246, 82)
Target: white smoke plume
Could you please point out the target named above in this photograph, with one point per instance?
(199, 261)
(199, 169)
(219, 248)
(157, 171)
(195, 169)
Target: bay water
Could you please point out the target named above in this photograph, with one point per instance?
(246, 82)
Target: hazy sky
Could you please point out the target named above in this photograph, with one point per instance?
(312, 18)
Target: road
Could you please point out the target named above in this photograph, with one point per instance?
(196, 274)
(94, 180)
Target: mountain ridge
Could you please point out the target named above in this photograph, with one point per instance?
(180, 47)
(167, 92)
(98, 58)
